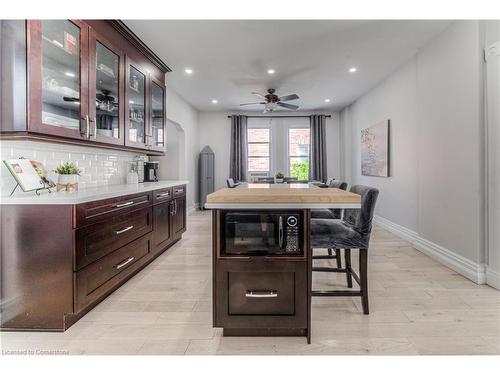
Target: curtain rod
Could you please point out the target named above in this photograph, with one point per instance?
(327, 116)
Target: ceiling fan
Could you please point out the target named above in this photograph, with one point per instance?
(272, 101)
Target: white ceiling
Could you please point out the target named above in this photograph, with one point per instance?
(311, 58)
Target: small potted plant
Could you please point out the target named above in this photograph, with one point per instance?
(279, 178)
(67, 178)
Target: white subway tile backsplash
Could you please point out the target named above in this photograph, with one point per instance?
(99, 166)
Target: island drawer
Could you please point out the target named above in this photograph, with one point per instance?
(92, 212)
(98, 278)
(97, 240)
(162, 195)
(261, 293)
(179, 191)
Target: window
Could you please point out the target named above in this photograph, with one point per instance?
(298, 152)
(258, 149)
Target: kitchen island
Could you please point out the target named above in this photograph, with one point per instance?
(262, 258)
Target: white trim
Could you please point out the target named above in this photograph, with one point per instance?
(472, 270)
(193, 208)
(271, 206)
(493, 278)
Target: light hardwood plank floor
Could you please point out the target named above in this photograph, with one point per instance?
(417, 306)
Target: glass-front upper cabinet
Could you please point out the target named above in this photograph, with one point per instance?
(136, 107)
(106, 87)
(58, 61)
(157, 115)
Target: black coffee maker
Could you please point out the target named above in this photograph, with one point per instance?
(151, 171)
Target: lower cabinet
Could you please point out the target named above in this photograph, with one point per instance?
(162, 235)
(55, 269)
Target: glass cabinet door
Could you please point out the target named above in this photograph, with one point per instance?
(136, 96)
(106, 99)
(157, 115)
(57, 79)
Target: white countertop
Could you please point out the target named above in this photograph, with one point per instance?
(86, 195)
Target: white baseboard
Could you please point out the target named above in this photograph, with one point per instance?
(493, 278)
(192, 208)
(473, 271)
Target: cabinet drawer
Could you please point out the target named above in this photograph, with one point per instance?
(98, 278)
(162, 195)
(179, 191)
(89, 213)
(97, 240)
(261, 293)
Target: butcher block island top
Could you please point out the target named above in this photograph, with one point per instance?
(269, 196)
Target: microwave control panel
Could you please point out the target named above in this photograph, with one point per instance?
(292, 235)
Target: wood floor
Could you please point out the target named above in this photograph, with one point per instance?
(417, 306)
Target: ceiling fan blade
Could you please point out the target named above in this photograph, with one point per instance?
(253, 103)
(289, 97)
(289, 106)
(259, 94)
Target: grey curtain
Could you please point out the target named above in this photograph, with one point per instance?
(238, 154)
(317, 151)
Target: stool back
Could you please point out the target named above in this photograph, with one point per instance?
(361, 219)
(338, 184)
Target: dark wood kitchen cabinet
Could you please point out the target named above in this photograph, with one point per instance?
(55, 270)
(89, 82)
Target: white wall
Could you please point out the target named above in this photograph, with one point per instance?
(215, 131)
(183, 156)
(493, 153)
(434, 103)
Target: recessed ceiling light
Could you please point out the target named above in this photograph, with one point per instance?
(271, 71)
(215, 101)
(327, 100)
(131, 102)
(70, 74)
(352, 70)
(188, 71)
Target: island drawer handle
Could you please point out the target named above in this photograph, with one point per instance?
(179, 190)
(124, 263)
(261, 294)
(163, 195)
(124, 204)
(124, 230)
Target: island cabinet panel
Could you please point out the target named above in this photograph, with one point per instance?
(89, 82)
(256, 293)
(59, 261)
(179, 216)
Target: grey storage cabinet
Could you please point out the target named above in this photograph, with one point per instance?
(206, 170)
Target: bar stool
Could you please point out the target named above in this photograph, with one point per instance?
(328, 213)
(352, 232)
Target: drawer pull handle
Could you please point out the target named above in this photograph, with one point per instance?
(124, 263)
(163, 195)
(179, 191)
(261, 294)
(124, 204)
(124, 230)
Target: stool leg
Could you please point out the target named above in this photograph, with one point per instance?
(363, 275)
(338, 258)
(347, 258)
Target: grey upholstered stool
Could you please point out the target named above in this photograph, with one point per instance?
(352, 232)
(330, 213)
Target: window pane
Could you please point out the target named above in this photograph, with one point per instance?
(299, 167)
(299, 140)
(258, 164)
(258, 135)
(258, 149)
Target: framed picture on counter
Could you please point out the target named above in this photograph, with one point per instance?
(29, 174)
